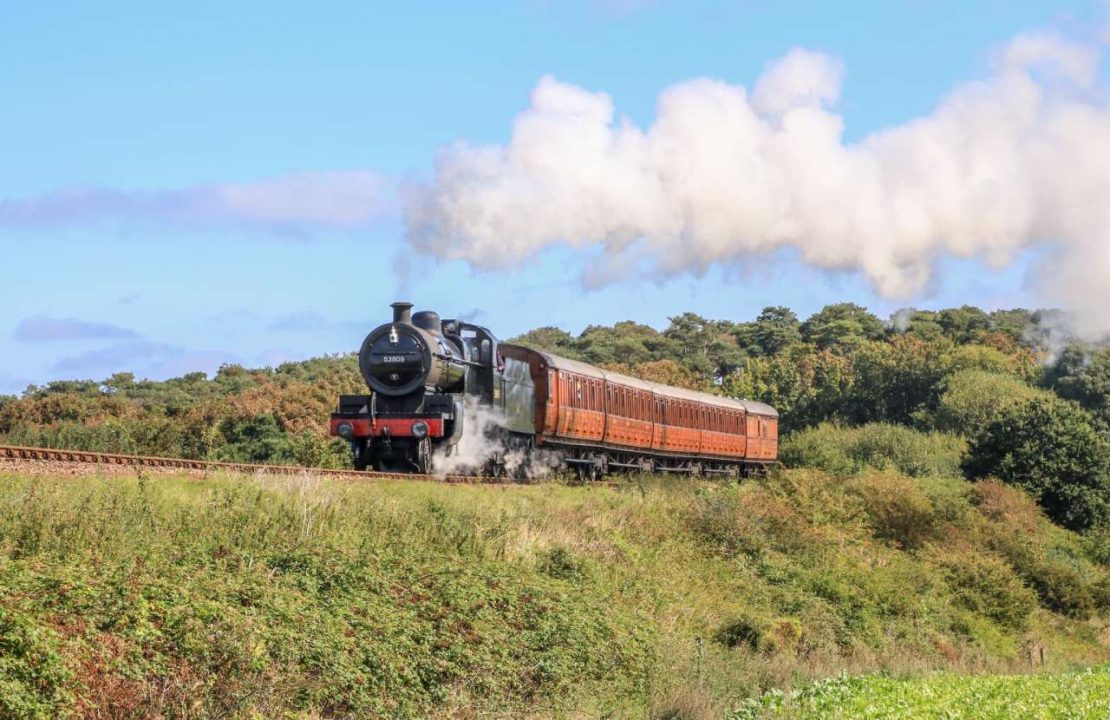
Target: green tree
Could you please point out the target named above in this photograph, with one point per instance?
(922, 323)
(1017, 324)
(703, 345)
(625, 342)
(776, 328)
(963, 324)
(1052, 450)
(549, 339)
(844, 325)
(972, 399)
(807, 386)
(896, 379)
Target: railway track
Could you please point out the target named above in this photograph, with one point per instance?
(52, 455)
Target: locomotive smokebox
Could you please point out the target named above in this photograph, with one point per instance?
(410, 355)
(402, 313)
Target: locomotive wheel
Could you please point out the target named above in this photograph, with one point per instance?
(424, 459)
(360, 450)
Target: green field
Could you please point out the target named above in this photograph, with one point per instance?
(294, 596)
(1071, 696)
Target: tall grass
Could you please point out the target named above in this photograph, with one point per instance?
(239, 597)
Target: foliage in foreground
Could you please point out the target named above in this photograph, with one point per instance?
(229, 597)
(227, 600)
(1063, 696)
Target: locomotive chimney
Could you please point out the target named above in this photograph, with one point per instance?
(402, 313)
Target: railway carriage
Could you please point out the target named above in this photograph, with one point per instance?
(427, 375)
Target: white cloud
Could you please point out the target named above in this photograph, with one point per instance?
(41, 329)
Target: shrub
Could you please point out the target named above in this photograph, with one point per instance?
(843, 451)
(740, 631)
(898, 510)
(782, 635)
(1054, 566)
(989, 587)
(973, 398)
(749, 520)
(1050, 449)
(1062, 583)
(560, 563)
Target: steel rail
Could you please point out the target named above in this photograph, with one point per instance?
(16, 452)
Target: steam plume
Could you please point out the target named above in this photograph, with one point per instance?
(1019, 159)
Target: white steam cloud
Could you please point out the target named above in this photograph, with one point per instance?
(1019, 159)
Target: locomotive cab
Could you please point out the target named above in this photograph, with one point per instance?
(419, 369)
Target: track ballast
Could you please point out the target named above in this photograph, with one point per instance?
(40, 454)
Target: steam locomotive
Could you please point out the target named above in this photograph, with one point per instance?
(430, 377)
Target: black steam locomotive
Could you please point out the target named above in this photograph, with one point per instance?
(423, 372)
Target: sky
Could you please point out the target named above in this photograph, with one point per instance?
(186, 185)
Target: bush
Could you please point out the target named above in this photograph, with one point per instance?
(989, 587)
(274, 597)
(899, 511)
(560, 563)
(749, 520)
(974, 398)
(740, 631)
(844, 451)
(1050, 449)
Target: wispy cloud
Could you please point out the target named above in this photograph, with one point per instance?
(42, 329)
(294, 203)
(144, 359)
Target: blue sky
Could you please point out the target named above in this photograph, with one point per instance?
(147, 152)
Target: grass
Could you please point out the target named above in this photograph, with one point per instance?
(1072, 696)
(262, 596)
